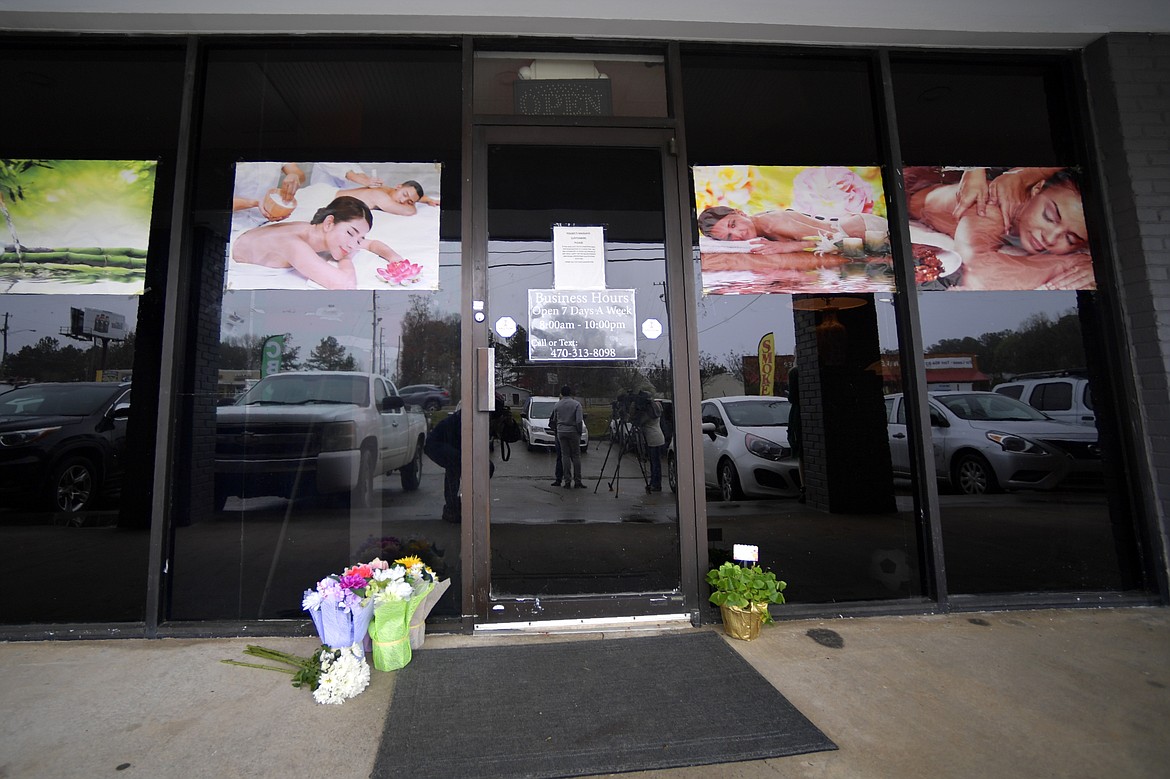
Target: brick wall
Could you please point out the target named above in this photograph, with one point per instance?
(845, 442)
(1129, 83)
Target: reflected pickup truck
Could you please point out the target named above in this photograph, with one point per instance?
(307, 433)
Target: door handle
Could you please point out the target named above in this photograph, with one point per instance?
(485, 377)
(898, 435)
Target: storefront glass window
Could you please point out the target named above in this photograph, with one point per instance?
(327, 219)
(1030, 488)
(798, 347)
(86, 207)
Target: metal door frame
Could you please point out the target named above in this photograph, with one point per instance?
(476, 538)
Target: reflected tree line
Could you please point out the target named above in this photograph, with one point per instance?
(430, 343)
(243, 353)
(50, 360)
(1041, 343)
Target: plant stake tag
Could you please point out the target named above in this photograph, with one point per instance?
(746, 553)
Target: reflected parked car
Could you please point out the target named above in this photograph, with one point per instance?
(987, 442)
(431, 397)
(62, 445)
(317, 433)
(1064, 397)
(534, 430)
(745, 448)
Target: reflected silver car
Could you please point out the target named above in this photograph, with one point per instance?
(987, 442)
(745, 448)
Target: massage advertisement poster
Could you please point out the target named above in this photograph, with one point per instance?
(998, 229)
(334, 225)
(75, 226)
(792, 229)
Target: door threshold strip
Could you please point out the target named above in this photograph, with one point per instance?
(607, 624)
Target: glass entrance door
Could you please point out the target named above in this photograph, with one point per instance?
(578, 245)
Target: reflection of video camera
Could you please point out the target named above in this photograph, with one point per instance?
(621, 405)
(637, 407)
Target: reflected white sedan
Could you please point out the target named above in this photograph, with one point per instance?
(745, 448)
(534, 427)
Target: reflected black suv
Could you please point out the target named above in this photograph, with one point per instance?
(62, 445)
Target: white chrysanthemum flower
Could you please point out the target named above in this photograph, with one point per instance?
(343, 676)
(312, 600)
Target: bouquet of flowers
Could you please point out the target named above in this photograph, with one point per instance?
(388, 602)
(396, 591)
(340, 607)
(344, 673)
(334, 675)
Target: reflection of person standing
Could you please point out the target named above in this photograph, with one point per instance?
(559, 469)
(794, 427)
(443, 447)
(568, 419)
(650, 411)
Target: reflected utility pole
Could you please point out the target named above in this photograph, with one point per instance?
(6, 330)
(374, 332)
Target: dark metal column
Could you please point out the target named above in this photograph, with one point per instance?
(926, 509)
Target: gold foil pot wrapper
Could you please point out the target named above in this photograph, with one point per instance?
(743, 624)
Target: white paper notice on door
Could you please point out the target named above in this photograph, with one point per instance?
(578, 257)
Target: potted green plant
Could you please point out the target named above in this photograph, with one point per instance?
(743, 595)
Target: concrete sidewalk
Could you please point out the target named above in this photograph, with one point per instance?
(1068, 693)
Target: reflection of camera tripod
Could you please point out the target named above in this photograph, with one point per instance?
(629, 439)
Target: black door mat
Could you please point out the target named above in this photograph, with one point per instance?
(585, 707)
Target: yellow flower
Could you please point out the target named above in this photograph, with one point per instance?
(408, 562)
(730, 178)
(725, 185)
